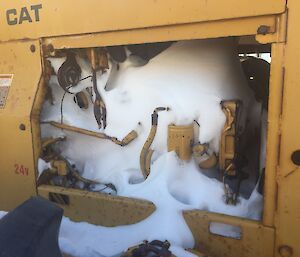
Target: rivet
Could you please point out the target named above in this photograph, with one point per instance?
(22, 127)
(32, 48)
(285, 251)
(296, 157)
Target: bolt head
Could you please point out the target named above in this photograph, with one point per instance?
(263, 30)
(285, 251)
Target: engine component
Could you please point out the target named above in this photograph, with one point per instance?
(49, 141)
(180, 140)
(202, 156)
(117, 53)
(257, 72)
(230, 162)
(69, 73)
(61, 167)
(67, 169)
(98, 58)
(232, 186)
(82, 100)
(144, 52)
(227, 155)
(98, 62)
(126, 140)
(48, 153)
(148, 160)
(145, 150)
(155, 248)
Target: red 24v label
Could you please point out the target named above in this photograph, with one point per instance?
(21, 170)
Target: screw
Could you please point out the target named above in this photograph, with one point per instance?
(285, 251)
(32, 48)
(22, 127)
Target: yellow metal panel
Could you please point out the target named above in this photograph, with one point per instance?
(105, 210)
(256, 240)
(66, 17)
(274, 112)
(235, 27)
(288, 206)
(279, 36)
(17, 169)
(100, 209)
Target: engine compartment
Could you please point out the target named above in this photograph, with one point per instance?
(177, 124)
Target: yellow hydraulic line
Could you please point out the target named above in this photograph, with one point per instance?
(129, 138)
(148, 161)
(49, 141)
(145, 149)
(147, 144)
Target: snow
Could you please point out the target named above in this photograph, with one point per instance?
(42, 166)
(191, 78)
(2, 213)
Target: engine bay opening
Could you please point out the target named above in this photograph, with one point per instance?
(175, 123)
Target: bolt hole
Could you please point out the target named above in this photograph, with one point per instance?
(296, 157)
(22, 127)
(32, 48)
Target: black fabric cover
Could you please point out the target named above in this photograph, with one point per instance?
(31, 230)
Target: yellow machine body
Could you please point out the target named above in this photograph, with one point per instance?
(36, 29)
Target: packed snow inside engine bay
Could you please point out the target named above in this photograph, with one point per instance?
(173, 123)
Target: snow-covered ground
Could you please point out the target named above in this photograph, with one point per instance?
(191, 78)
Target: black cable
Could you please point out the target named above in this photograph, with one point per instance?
(90, 76)
(61, 107)
(61, 103)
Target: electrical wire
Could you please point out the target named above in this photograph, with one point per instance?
(61, 107)
(90, 76)
(62, 100)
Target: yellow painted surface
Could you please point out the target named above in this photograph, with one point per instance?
(188, 31)
(100, 209)
(113, 23)
(256, 240)
(273, 140)
(287, 220)
(181, 140)
(17, 169)
(61, 17)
